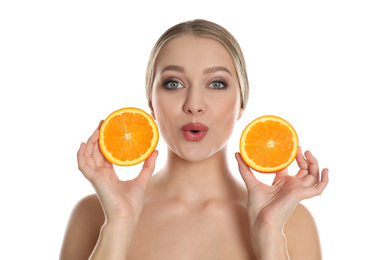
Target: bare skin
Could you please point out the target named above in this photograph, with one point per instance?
(215, 228)
(193, 208)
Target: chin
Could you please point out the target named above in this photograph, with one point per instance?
(196, 154)
(194, 157)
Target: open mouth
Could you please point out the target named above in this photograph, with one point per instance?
(194, 131)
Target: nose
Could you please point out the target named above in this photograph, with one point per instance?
(194, 103)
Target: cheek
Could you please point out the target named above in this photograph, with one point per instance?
(161, 109)
(162, 120)
(164, 111)
(228, 113)
(230, 106)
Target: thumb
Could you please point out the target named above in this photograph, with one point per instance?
(147, 169)
(245, 172)
(281, 174)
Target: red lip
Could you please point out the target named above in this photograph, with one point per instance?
(194, 131)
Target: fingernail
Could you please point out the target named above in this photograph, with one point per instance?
(100, 123)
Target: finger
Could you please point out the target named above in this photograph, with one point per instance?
(83, 165)
(313, 164)
(98, 155)
(281, 174)
(100, 124)
(91, 143)
(324, 180)
(147, 169)
(80, 156)
(245, 172)
(320, 187)
(302, 163)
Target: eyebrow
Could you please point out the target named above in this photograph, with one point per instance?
(173, 68)
(216, 69)
(205, 71)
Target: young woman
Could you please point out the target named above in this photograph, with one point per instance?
(193, 208)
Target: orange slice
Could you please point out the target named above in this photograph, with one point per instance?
(128, 136)
(268, 144)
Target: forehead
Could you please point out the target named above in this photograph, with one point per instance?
(194, 52)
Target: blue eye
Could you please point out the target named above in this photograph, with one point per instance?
(218, 85)
(172, 85)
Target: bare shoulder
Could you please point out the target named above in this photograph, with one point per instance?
(83, 229)
(302, 235)
(89, 204)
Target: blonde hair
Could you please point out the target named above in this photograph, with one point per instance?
(201, 28)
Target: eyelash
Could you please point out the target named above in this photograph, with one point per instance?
(166, 82)
(225, 85)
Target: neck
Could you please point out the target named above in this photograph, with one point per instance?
(197, 181)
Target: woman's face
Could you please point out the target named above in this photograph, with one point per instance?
(196, 96)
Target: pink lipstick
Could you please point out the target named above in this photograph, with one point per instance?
(194, 131)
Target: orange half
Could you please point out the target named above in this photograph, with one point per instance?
(269, 144)
(128, 136)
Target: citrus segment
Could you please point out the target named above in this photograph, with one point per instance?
(128, 136)
(269, 144)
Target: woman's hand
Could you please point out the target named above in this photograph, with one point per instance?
(270, 206)
(121, 200)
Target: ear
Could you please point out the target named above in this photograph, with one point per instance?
(152, 111)
(240, 114)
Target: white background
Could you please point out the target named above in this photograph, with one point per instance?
(64, 65)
